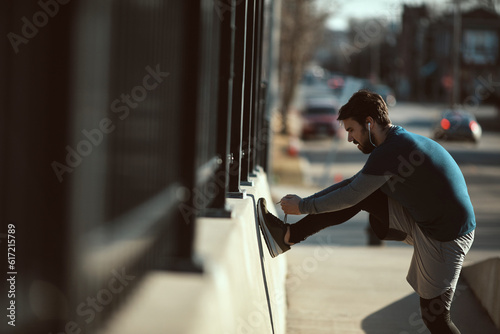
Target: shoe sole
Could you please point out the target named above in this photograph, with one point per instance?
(272, 245)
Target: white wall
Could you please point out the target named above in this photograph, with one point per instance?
(484, 280)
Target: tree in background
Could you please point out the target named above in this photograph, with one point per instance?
(302, 27)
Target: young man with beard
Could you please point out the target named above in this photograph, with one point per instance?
(413, 191)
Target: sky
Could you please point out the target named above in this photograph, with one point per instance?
(388, 9)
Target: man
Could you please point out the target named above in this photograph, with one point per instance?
(413, 191)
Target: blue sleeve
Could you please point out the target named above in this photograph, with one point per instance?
(343, 197)
(333, 187)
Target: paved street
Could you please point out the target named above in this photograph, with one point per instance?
(339, 285)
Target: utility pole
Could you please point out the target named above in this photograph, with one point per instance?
(375, 61)
(457, 27)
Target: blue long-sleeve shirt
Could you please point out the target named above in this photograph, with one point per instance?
(415, 171)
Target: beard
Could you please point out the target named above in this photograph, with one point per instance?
(365, 145)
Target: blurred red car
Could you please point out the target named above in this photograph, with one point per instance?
(319, 118)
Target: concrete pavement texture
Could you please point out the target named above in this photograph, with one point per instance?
(339, 289)
(338, 284)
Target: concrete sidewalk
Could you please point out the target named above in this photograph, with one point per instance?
(338, 284)
(339, 289)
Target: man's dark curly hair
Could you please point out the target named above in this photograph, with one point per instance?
(363, 104)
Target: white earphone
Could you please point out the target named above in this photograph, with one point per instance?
(370, 135)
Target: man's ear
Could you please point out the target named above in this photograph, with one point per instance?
(370, 120)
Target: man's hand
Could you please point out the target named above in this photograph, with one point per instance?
(290, 204)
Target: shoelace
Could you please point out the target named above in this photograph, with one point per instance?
(286, 215)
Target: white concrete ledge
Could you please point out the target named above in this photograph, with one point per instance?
(484, 280)
(242, 289)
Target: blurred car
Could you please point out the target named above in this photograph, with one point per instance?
(387, 94)
(457, 124)
(383, 90)
(336, 83)
(319, 118)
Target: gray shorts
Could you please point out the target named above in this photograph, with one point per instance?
(436, 265)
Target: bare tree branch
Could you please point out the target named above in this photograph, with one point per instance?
(302, 27)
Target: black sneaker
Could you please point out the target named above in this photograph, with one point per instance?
(273, 228)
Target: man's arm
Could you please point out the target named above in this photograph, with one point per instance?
(345, 196)
(290, 203)
(333, 187)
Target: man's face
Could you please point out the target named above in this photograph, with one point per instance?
(358, 134)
